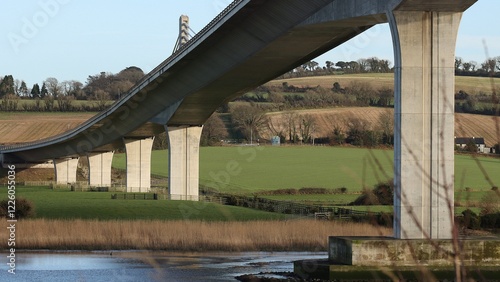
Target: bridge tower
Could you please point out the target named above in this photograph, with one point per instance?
(183, 32)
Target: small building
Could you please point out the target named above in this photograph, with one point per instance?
(462, 142)
(275, 140)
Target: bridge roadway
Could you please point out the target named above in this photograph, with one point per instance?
(252, 42)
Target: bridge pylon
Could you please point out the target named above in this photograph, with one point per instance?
(424, 45)
(183, 32)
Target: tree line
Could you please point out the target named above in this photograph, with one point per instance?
(53, 95)
(251, 123)
(364, 65)
(295, 128)
(488, 68)
(101, 88)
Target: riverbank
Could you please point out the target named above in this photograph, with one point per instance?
(193, 236)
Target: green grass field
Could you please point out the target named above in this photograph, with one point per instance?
(68, 205)
(65, 204)
(252, 169)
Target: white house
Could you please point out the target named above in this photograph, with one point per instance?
(478, 141)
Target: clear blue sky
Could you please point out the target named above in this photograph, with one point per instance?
(71, 39)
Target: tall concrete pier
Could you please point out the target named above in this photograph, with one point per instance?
(100, 169)
(65, 170)
(424, 46)
(138, 164)
(183, 162)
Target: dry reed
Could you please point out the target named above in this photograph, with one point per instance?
(296, 235)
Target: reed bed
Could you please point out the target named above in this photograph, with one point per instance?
(292, 235)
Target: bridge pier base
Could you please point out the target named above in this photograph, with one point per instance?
(424, 47)
(65, 170)
(184, 162)
(138, 153)
(100, 169)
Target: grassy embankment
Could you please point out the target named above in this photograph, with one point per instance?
(93, 221)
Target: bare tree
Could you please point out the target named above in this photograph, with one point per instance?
(250, 120)
(65, 103)
(386, 126)
(9, 103)
(160, 142)
(307, 126)
(49, 103)
(101, 99)
(291, 120)
(277, 127)
(53, 87)
(214, 130)
(72, 88)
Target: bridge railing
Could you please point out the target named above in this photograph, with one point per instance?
(135, 89)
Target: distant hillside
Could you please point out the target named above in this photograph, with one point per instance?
(469, 84)
(466, 125)
(24, 127)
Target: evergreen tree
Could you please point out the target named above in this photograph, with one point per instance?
(44, 92)
(7, 86)
(35, 91)
(23, 89)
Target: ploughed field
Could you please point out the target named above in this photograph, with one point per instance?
(27, 127)
(19, 127)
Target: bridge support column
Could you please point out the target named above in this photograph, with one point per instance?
(184, 162)
(66, 170)
(100, 169)
(138, 164)
(424, 47)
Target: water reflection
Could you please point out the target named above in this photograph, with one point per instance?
(140, 266)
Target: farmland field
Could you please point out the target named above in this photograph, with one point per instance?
(466, 125)
(66, 205)
(469, 84)
(26, 127)
(253, 169)
(18, 127)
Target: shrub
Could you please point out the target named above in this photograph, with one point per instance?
(382, 194)
(490, 203)
(23, 208)
(311, 191)
(366, 198)
(490, 221)
(470, 219)
(385, 192)
(385, 219)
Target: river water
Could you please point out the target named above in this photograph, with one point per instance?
(155, 266)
